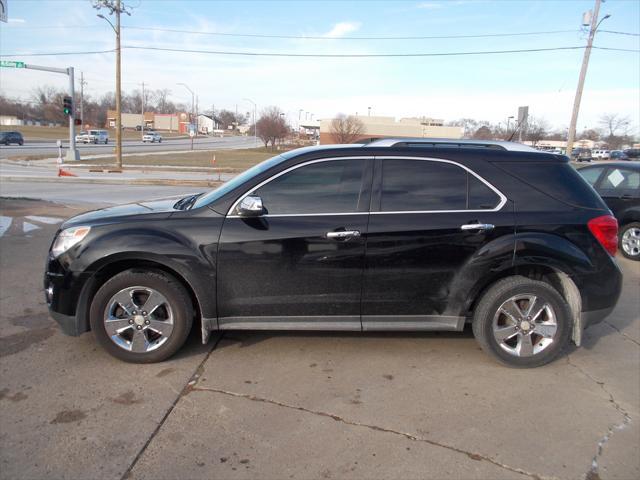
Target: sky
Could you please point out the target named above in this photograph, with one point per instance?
(484, 87)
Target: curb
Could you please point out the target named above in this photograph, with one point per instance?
(114, 181)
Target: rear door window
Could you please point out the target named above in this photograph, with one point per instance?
(427, 185)
(619, 180)
(418, 185)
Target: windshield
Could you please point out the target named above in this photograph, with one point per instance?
(238, 180)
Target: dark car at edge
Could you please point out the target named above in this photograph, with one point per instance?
(394, 235)
(618, 183)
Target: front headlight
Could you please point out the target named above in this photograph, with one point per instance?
(67, 239)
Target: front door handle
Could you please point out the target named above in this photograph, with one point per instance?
(343, 235)
(481, 227)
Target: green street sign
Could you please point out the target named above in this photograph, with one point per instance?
(12, 64)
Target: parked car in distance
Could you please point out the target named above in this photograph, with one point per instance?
(581, 154)
(81, 137)
(618, 155)
(633, 153)
(152, 137)
(396, 234)
(618, 183)
(96, 136)
(7, 138)
(600, 154)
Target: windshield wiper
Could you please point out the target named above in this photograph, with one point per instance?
(186, 202)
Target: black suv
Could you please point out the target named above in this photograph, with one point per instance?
(393, 235)
(7, 138)
(618, 183)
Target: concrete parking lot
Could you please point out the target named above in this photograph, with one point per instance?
(303, 405)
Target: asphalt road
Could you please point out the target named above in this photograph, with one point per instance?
(130, 146)
(303, 405)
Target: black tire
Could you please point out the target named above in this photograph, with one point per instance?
(625, 229)
(169, 287)
(502, 291)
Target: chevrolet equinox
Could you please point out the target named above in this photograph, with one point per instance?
(393, 235)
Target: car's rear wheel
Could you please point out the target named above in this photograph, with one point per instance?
(522, 322)
(141, 316)
(629, 242)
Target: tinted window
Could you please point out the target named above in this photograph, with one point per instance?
(481, 197)
(323, 187)
(410, 185)
(556, 180)
(590, 174)
(620, 179)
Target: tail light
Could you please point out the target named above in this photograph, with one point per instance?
(605, 229)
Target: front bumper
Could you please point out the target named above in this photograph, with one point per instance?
(66, 294)
(68, 323)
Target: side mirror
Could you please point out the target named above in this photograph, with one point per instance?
(250, 206)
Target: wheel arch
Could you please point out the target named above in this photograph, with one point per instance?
(560, 280)
(113, 266)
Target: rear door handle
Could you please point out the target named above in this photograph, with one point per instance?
(343, 235)
(477, 226)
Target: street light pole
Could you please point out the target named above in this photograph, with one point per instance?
(193, 106)
(115, 7)
(583, 73)
(255, 126)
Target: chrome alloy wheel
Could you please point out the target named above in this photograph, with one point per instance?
(524, 325)
(138, 319)
(631, 241)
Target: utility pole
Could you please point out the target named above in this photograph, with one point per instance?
(82, 84)
(594, 24)
(115, 7)
(142, 102)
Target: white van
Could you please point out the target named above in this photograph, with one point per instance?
(601, 154)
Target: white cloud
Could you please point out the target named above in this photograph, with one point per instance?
(17, 20)
(341, 29)
(430, 5)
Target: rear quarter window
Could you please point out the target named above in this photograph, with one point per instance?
(557, 180)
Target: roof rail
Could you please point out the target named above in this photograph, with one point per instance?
(450, 142)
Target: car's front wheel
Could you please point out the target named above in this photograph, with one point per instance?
(141, 316)
(522, 322)
(629, 242)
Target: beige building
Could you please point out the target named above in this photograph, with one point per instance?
(380, 127)
(172, 122)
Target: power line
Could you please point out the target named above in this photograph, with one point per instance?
(311, 37)
(620, 33)
(50, 54)
(321, 55)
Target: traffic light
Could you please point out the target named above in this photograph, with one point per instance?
(67, 106)
(77, 121)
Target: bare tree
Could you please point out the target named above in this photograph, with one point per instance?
(161, 99)
(617, 129)
(536, 130)
(590, 134)
(483, 133)
(615, 125)
(346, 129)
(271, 126)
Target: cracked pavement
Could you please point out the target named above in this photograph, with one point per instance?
(307, 405)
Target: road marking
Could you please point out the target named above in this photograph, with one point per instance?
(47, 220)
(29, 227)
(5, 223)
